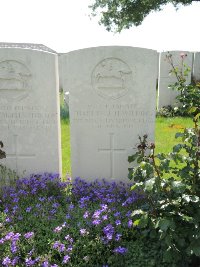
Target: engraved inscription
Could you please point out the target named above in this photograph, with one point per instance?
(14, 80)
(112, 116)
(16, 155)
(111, 150)
(26, 117)
(112, 78)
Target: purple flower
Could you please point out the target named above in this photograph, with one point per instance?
(69, 249)
(8, 220)
(96, 222)
(96, 214)
(57, 229)
(29, 235)
(108, 229)
(28, 209)
(59, 246)
(29, 262)
(104, 207)
(86, 215)
(83, 232)
(130, 223)
(66, 258)
(68, 216)
(13, 247)
(41, 199)
(55, 205)
(117, 222)
(118, 237)
(6, 261)
(45, 264)
(15, 261)
(71, 206)
(9, 236)
(105, 217)
(120, 250)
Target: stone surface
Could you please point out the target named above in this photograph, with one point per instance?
(112, 101)
(29, 110)
(196, 66)
(39, 47)
(167, 96)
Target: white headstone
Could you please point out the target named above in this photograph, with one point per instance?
(196, 67)
(29, 110)
(168, 96)
(112, 102)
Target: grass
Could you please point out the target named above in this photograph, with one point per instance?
(166, 128)
(65, 133)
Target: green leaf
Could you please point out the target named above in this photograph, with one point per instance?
(130, 173)
(197, 116)
(192, 110)
(144, 221)
(136, 186)
(149, 184)
(177, 148)
(164, 224)
(178, 186)
(136, 222)
(195, 247)
(177, 135)
(132, 158)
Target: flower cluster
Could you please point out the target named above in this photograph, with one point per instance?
(55, 223)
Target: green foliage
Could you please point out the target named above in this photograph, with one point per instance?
(2, 153)
(64, 109)
(166, 111)
(122, 14)
(188, 100)
(64, 112)
(7, 176)
(170, 208)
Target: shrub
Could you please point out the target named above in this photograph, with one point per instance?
(188, 100)
(7, 176)
(170, 209)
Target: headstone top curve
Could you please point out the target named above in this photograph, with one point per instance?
(39, 47)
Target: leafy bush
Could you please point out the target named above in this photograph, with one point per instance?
(2, 153)
(170, 209)
(7, 176)
(188, 100)
(167, 111)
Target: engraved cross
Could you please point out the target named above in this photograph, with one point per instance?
(111, 150)
(17, 155)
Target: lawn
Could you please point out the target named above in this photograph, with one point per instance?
(166, 129)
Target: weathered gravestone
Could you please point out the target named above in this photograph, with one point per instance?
(112, 101)
(168, 96)
(196, 67)
(29, 109)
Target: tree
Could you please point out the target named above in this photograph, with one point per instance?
(122, 14)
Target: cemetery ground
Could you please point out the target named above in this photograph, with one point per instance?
(45, 223)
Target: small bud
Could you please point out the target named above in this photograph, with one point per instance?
(152, 146)
(183, 55)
